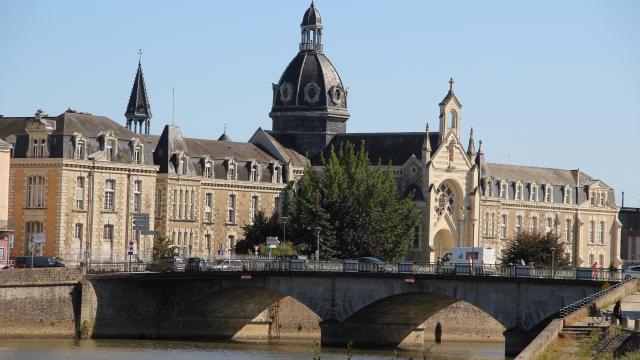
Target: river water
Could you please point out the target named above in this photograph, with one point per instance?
(60, 349)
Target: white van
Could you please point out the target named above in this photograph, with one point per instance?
(479, 256)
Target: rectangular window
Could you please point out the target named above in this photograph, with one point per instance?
(79, 151)
(231, 244)
(254, 208)
(591, 259)
(534, 224)
(174, 207)
(208, 207)
(78, 231)
(547, 193)
(592, 230)
(207, 244)
(137, 158)
(232, 172)
(231, 218)
(486, 224)
(601, 260)
(416, 237)
(503, 227)
(43, 146)
(254, 173)
(602, 227)
(518, 192)
(109, 195)
(568, 230)
(108, 149)
(33, 231)
(35, 149)
(192, 214)
(181, 205)
(518, 224)
(35, 191)
(107, 242)
(207, 171)
(549, 226)
(493, 224)
(276, 174)
(276, 204)
(137, 196)
(80, 193)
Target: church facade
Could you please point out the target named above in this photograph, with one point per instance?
(78, 178)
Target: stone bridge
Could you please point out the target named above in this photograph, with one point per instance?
(370, 309)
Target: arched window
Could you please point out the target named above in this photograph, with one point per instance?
(452, 119)
(444, 200)
(504, 190)
(518, 191)
(534, 192)
(567, 194)
(548, 194)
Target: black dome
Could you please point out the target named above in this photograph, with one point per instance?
(311, 17)
(310, 82)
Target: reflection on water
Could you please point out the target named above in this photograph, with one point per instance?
(46, 349)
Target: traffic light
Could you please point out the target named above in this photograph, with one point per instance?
(130, 247)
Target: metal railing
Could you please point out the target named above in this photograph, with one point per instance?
(573, 307)
(275, 264)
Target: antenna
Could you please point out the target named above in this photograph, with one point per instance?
(173, 105)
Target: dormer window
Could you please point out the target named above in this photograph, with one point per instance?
(276, 174)
(518, 191)
(39, 147)
(231, 171)
(534, 192)
(567, 194)
(254, 173)
(504, 190)
(137, 154)
(79, 153)
(184, 165)
(548, 196)
(109, 149)
(207, 170)
(602, 198)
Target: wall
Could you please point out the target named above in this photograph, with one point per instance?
(39, 302)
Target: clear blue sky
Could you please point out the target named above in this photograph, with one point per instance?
(543, 83)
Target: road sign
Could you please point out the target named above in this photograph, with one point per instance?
(272, 240)
(141, 222)
(38, 238)
(147, 232)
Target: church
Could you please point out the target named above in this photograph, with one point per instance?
(79, 178)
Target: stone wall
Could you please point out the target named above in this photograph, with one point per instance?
(39, 302)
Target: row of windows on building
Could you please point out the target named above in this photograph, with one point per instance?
(186, 243)
(597, 198)
(568, 234)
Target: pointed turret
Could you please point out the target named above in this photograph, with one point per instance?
(481, 163)
(426, 145)
(471, 149)
(138, 110)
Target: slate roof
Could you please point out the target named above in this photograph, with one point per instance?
(4, 144)
(538, 175)
(311, 17)
(394, 148)
(138, 106)
(284, 145)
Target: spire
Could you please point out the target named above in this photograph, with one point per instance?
(471, 149)
(426, 145)
(138, 109)
(311, 30)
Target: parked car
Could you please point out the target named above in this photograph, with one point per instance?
(170, 264)
(631, 272)
(372, 264)
(196, 264)
(38, 262)
(229, 265)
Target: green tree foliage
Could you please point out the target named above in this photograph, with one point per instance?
(535, 248)
(257, 233)
(355, 205)
(162, 246)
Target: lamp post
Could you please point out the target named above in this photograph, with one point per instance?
(553, 262)
(317, 243)
(284, 235)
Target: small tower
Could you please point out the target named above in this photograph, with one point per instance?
(138, 110)
(311, 30)
(426, 146)
(450, 109)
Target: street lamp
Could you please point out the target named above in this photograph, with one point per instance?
(317, 243)
(284, 235)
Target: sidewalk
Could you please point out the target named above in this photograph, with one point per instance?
(630, 307)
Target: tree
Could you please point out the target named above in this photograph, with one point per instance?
(162, 246)
(535, 248)
(257, 233)
(355, 205)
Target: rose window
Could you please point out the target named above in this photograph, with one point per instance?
(444, 200)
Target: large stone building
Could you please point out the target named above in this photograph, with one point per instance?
(200, 192)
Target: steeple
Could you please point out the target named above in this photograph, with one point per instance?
(311, 30)
(426, 145)
(450, 114)
(138, 110)
(471, 149)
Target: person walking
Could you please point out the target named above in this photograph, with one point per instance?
(612, 271)
(594, 273)
(617, 312)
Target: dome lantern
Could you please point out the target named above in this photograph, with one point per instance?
(311, 30)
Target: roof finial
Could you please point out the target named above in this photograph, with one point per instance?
(451, 84)
(427, 130)
(139, 56)
(312, 3)
(225, 128)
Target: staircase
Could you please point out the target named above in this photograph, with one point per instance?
(581, 331)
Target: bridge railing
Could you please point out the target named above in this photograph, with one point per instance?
(274, 264)
(571, 308)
